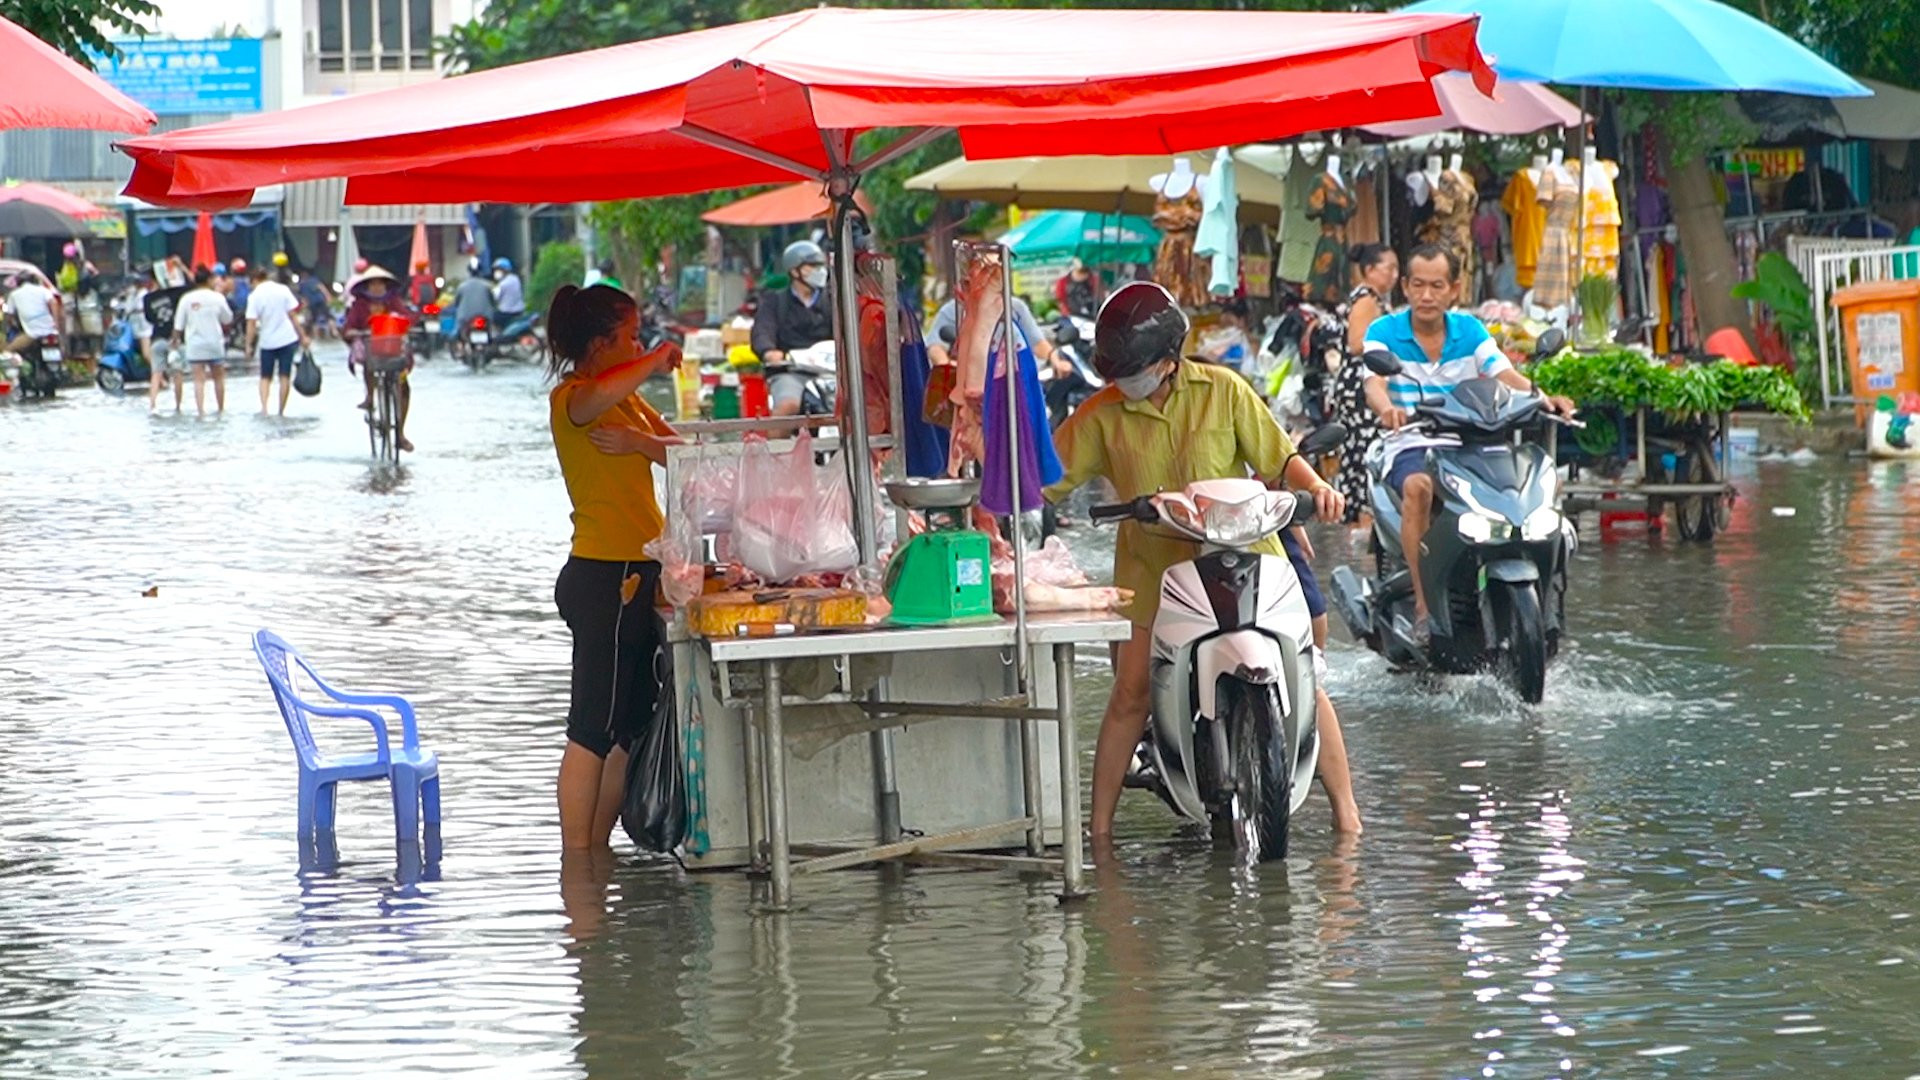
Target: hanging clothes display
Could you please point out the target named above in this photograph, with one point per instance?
(1299, 233)
(1600, 237)
(1175, 265)
(1553, 277)
(1407, 215)
(1364, 226)
(1526, 221)
(1331, 205)
(1218, 237)
(1451, 226)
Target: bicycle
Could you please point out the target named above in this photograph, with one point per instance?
(385, 358)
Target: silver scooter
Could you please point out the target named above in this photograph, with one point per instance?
(1234, 738)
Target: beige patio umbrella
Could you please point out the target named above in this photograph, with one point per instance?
(1100, 184)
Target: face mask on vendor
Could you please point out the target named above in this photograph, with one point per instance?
(1141, 386)
(814, 276)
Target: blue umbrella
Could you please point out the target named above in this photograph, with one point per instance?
(1645, 45)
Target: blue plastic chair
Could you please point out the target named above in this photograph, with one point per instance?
(413, 771)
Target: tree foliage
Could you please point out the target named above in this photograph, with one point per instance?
(81, 28)
(1876, 39)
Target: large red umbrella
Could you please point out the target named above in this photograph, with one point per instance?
(794, 204)
(780, 99)
(203, 253)
(45, 89)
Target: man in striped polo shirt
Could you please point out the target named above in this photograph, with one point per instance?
(1440, 348)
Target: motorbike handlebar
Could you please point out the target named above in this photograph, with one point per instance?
(1304, 510)
(1140, 509)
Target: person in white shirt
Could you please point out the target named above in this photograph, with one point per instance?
(200, 326)
(36, 309)
(273, 328)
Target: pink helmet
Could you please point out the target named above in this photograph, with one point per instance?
(70, 251)
(359, 266)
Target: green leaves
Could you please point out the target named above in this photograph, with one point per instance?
(1631, 380)
(1777, 284)
(77, 26)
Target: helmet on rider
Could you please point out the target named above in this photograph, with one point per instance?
(359, 266)
(1139, 326)
(503, 263)
(71, 251)
(280, 259)
(238, 266)
(801, 253)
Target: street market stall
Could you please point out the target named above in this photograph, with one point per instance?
(787, 97)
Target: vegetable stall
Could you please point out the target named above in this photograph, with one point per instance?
(1656, 432)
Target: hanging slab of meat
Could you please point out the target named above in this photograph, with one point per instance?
(982, 306)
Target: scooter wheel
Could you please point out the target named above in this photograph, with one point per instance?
(111, 380)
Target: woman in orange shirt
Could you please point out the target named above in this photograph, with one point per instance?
(608, 441)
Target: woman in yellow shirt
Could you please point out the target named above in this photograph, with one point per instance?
(1161, 423)
(608, 441)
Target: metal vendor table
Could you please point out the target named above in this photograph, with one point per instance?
(752, 675)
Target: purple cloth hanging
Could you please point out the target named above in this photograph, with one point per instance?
(996, 484)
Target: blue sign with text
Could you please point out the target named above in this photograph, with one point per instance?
(174, 78)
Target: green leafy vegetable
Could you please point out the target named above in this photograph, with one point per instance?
(1632, 380)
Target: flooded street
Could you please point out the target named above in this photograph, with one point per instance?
(1694, 859)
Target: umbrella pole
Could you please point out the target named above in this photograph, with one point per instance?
(854, 446)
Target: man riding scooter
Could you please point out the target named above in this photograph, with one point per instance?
(1439, 348)
(799, 316)
(1161, 423)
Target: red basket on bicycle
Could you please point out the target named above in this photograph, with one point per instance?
(387, 337)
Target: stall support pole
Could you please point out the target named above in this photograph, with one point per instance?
(756, 796)
(885, 783)
(1016, 422)
(1071, 873)
(779, 857)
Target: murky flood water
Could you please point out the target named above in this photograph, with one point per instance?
(1695, 859)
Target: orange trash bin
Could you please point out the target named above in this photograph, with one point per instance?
(1880, 321)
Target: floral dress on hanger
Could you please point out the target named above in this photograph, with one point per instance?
(1332, 206)
(1454, 200)
(1175, 266)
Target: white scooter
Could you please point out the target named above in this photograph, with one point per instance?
(1234, 737)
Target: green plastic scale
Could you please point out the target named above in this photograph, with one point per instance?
(944, 575)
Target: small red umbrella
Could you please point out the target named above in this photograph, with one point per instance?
(203, 253)
(420, 256)
(54, 199)
(46, 89)
(794, 204)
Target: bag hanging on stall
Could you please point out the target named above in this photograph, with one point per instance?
(306, 374)
(655, 811)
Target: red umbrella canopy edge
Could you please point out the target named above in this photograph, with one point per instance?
(47, 89)
(783, 98)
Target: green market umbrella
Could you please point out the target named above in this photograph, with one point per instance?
(1059, 235)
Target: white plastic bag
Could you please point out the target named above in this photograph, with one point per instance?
(792, 517)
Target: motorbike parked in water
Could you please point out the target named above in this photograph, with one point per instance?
(1494, 558)
(121, 362)
(1234, 736)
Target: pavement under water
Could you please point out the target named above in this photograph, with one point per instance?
(1695, 858)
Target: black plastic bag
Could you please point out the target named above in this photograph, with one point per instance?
(306, 374)
(655, 810)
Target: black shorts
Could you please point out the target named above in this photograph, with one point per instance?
(615, 639)
(1309, 585)
(280, 359)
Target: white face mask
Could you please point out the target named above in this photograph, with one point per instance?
(1140, 387)
(815, 277)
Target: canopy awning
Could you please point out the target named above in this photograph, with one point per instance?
(1892, 114)
(46, 89)
(1110, 185)
(794, 204)
(783, 98)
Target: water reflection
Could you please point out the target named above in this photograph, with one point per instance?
(1691, 860)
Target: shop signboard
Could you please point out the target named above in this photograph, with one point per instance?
(180, 78)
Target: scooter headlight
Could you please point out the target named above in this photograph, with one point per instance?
(1541, 524)
(1484, 528)
(1234, 524)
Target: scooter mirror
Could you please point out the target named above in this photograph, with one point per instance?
(1323, 440)
(1382, 362)
(1549, 343)
(947, 336)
